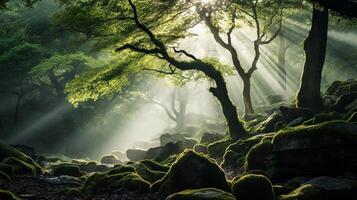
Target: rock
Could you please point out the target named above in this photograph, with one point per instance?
(192, 171)
(118, 169)
(164, 152)
(148, 175)
(7, 169)
(259, 156)
(6, 195)
(29, 151)
(202, 194)
(120, 155)
(324, 188)
(8, 151)
(217, 149)
(208, 138)
(109, 159)
(307, 150)
(323, 117)
(251, 187)
(102, 182)
(152, 165)
(292, 113)
(343, 103)
(21, 167)
(92, 166)
(201, 148)
(170, 138)
(273, 99)
(339, 88)
(271, 124)
(67, 169)
(136, 154)
(235, 154)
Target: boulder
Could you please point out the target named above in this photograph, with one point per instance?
(259, 156)
(251, 187)
(118, 169)
(202, 194)
(307, 150)
(323, 117)
(352, 117)
(235, 154)
(152, 165)
(67, 170)
(170, 138)
(92, 166)
(120, 155)
(20, 167)
(208, 138)
(217, 149)
(147, 174)
(192, 171)
(109, 159)
(163, 152)
(136, 154)
(4, 177)
(102, 182)
(272, 123)
(339, 88)
(324, 188)
(344, 102)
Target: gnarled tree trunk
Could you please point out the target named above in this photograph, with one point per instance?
(315, 49)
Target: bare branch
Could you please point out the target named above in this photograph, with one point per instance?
(185, 53)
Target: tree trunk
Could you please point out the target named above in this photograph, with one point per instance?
(248, 105)
(236, 129)
(315, 49)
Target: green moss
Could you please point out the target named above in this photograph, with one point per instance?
(8, 151)
(6, 195)
(148, 175)
(20, 167)
(192, 171)
(98, 182)
(305, 192)
(335, 130)
(152, 165)
(323, 117)
(202, 194)
(121, 169)
(235, 154)
(251, 187)
(217, 149)
(67, 169)
(256, 157)
(169, 161)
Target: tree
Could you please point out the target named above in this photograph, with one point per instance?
(315, 51)
(283, 47)
(265, 16)
(148, 28)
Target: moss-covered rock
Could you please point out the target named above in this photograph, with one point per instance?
(305, 192)
(136, 154)
(352, 117)
(163, 152)
(271, 124)
(251, 187)
(152, 165)
(67, 169)
(109, 159)
(148, 175)
(72, 192)
(235, 154)
(7, 151)
(20, 167)
(6, 195)
(102, 182)
(118, 169)
(324, 117)
(258, 157)
(192, 171)
(208, 138)
(201, 148)
(217, 149)
(93, 166)
(202, 194)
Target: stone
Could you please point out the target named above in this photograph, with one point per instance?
(202, 194)
(251, 187)
(136, 154)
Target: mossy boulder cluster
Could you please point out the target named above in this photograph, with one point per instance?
(251, 187)
(109, 159)
(16, 162)
(67, 170)
(192, 171)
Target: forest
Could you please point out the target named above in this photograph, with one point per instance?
(178, 100)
